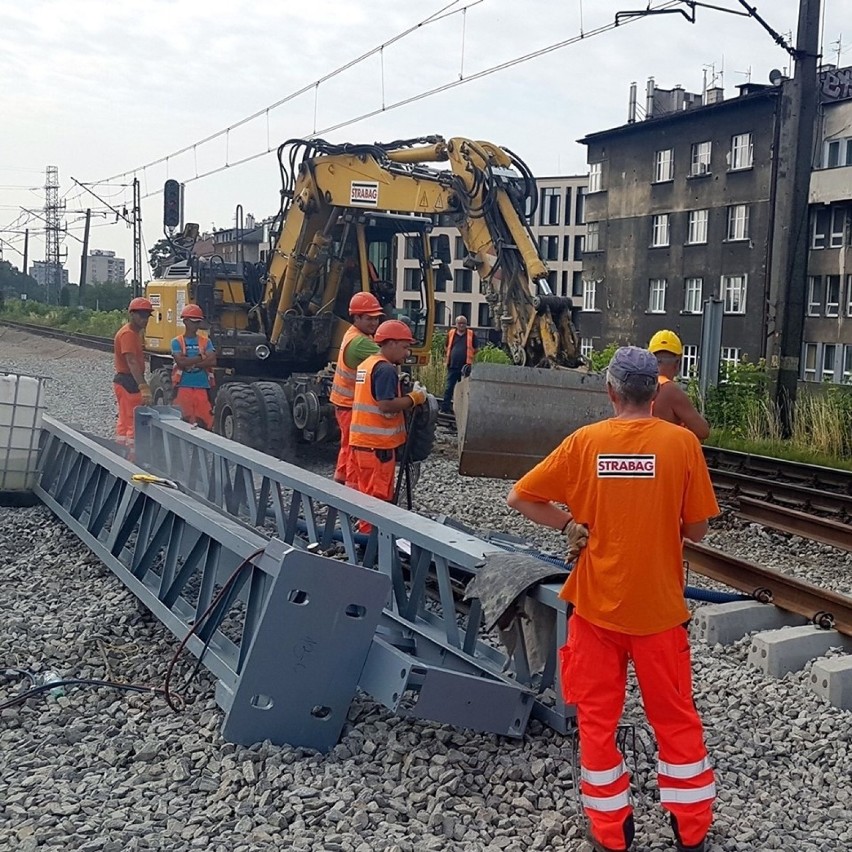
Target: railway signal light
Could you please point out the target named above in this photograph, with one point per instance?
(171, 204)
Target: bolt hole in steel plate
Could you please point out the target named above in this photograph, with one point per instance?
(298, 597)
(320, 711)
(262, 702)
(355, 611)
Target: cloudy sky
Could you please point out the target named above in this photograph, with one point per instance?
(106, 90)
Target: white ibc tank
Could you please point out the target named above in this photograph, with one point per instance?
(21, 407)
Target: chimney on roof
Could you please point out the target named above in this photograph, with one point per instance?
(631, 108)
(649, 98)
(715, 95)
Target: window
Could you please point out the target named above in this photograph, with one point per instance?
(664, 165)
(566, 280)
(846, 377)
(820, 219)
(566, 247)
(589, 294)
(849, 295)
(689, 361)
(738, 222)
(697, 232)
(734, 293)
(579, 247)
(595, 177)
(411, 247)
(814, 295)
(742, 151)
(411, 309)
(550, 198)
(838, 152)
(411, 281)
(461, 309)
(692, 292)
(463, 281)
(657, 296)
(528, 209)
(460, 249)
(660, 230)
(829, 361)
(580, 207)
(586, 346)
(440, 313)
(577, 285)
(699, 163)
(832, 295)
(568, 206)
(484, 316)
(548, 247)
(729, 356)
(551, 280)
(809, 360)
(593, 232)
(838, 227)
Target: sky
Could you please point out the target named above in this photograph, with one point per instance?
(107, 91)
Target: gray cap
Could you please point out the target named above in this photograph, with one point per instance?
(631, 362)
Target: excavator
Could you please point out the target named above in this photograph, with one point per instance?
(277, 327)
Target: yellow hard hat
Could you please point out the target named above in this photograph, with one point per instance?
(666, 341)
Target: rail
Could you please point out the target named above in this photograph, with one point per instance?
(89, 341)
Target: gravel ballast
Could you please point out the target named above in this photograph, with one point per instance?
(98, 769)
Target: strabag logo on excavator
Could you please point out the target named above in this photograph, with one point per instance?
(364, 193)
(617, 465)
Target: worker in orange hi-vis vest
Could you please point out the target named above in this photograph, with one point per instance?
(357, 344)
(192, 376)
(461, 350)
(131, 389)
(377, 430)
(672, 403)
(634, 486)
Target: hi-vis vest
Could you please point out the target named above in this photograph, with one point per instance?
(370, 428)
(177, 373)
(343, 383)
(470, 354)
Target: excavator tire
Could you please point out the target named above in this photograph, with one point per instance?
(422, 436)
(236, 414)
(162, 392)
(279, 436)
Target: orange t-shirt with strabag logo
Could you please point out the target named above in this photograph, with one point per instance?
(632, 483)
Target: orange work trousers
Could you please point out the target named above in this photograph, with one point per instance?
(125, 429)
(593, 666)
(344, 421)
(194, 405)
(369, 475)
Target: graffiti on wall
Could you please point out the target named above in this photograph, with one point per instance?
(836, 85)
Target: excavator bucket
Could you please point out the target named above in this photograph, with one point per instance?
(510, 418)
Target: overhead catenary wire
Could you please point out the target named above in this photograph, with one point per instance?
(427, 93)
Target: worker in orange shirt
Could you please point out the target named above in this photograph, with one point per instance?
(672, 403)
(192, 376)
(640, 486)
(131, 389)
(357, 344)
(377, 430)
(461, 350)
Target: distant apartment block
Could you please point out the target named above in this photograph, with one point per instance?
(48, 275)
(103, 267)
(558, 225)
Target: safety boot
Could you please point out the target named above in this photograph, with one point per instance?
(699, 847)
(599, 847)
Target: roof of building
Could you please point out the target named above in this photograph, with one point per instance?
(682, 115)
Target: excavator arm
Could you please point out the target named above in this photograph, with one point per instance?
(483, 192)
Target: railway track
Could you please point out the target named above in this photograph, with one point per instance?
(89, 341)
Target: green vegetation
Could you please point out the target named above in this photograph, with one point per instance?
(80, 320)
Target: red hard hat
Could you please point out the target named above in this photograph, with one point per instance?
(140, 303)
(393, 330)
(192, 312)
(365, 304)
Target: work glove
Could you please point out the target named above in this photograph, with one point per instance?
(145, 392)
(418, 395)
(577, 537)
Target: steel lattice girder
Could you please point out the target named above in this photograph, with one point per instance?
(305, 507)
(289, 639)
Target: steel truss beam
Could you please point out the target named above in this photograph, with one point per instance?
(289, 636)
(418, 646)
